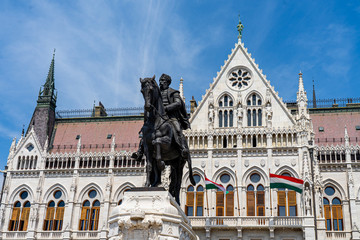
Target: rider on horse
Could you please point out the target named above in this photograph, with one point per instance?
(176, 111)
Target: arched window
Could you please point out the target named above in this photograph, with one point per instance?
(229, 201)
(195, 200)
(255, 196)
(54, 212)
(287, 205)
(333, 210)
(189, 207)
(90, 211)
(20, 214)
(225, 113)
(254, 116)
(225, 203)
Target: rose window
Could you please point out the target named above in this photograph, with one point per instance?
(240, 79)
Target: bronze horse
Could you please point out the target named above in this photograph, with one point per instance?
(160, 148)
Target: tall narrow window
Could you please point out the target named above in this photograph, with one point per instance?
(24, 219)
(219, 203)
(84, 218)
(225, 101)
(225, 118)
(259, 117)
(230, 201)
(199, 201)
(254, 100)
(49, 217)
(15, 217)
(281, 203)
(260, 200)
(59, 216)
(254, 117)
(327, 211)
(337, 215)
(220, 119)
(250, 200)
(189, 208)
(94, 219)
(249, 117)
(292, 203)
(231, 118)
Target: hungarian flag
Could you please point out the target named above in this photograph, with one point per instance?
(279, 181)
(213, 185)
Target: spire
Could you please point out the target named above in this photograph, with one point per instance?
(301, 94)
(181, 89)
(301, 83)
(47, 95)
(314, 96)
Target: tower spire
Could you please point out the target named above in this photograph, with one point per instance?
(181, 89)
(314, 96)
(47, 95)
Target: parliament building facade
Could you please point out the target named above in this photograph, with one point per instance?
(69, 170)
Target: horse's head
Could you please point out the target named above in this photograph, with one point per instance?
(148, 86)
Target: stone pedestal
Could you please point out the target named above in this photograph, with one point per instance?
(149, 213)
(309, 228)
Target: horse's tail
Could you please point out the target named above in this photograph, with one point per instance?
(192, 180)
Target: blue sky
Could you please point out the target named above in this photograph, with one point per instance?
(104, 47)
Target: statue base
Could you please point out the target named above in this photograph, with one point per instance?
(149, 213)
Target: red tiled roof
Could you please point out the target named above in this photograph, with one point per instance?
(94, 136)
(334, 127)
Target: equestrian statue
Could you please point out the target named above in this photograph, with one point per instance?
(163, 142)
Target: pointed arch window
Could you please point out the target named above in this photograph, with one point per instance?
(287, 203)
(225, 202)
(90, 212)
(333, 210)
(255, 196)
(254, 105)
(225, 113)
(20, 213)
(55, 212)
(195, 200)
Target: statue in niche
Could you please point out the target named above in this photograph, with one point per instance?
(211, 116)
(239, 114)
(307, 200)
(268, 114)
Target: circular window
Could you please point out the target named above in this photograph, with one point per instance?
(225, 178)
(329, 191)
(57, 194)
(255, 178)
(239, 79)
(24, 194)
(92, 194)
(197, 178)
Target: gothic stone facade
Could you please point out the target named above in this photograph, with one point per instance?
(66, 175)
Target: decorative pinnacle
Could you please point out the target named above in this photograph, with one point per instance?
(240, 27)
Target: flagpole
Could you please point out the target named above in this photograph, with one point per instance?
(237, 191)
(207, 200)
(271, 210)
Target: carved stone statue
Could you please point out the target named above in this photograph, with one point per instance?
(268, 113)
(163, 142)
(239, 114)
(307, 200)
(211, 116)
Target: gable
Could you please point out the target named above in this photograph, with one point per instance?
(239, 79)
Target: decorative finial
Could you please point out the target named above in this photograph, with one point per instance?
(240, 27)
(54, 52)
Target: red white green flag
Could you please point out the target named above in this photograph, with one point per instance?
(279, 181)
(213, 185)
